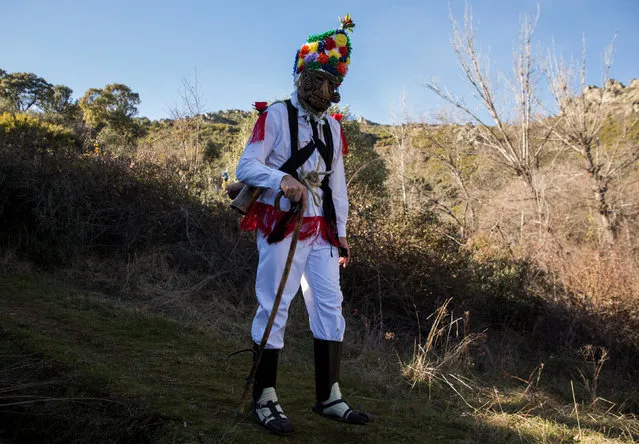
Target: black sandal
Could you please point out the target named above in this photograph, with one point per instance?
(276, 421)
(349, 416)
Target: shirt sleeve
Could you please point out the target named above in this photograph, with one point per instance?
(252, 168)
(337, 182)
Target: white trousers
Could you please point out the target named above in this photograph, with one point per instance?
(315, 266)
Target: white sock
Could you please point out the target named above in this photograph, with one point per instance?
(268, 394)
(264, 414)
(339, 408)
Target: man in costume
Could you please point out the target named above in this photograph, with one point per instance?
(296, 148)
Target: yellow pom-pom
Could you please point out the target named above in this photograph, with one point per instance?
(341, 40)
(312, 47)
(334, 53)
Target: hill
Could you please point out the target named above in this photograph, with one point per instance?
(477, 311)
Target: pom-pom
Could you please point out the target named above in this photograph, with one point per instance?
(260, 107)
(341, 39)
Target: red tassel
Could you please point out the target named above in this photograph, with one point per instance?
(249, 221)
(262, 217)
(258, 129)
(344, 142)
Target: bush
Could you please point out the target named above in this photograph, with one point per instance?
(56, 203)
(27, 135)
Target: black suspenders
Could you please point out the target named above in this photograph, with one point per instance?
(299, 156)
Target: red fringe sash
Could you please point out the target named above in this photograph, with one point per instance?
(263, 217)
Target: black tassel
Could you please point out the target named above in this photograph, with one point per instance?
(280, 227)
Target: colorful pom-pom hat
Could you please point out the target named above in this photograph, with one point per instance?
(329, 52)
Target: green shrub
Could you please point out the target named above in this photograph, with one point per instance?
(30, 135)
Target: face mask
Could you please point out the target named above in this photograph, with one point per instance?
(317, 90)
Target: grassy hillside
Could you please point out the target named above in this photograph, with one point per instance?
(83, 366)
(105, 372)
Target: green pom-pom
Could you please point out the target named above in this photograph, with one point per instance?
(319, 37)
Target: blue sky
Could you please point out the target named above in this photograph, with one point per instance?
(243, 50)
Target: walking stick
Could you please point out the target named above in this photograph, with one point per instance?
(276, 304)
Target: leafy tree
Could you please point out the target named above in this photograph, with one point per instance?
(20, 91)
(59, 100)
(114, 106)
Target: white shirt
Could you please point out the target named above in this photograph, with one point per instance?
(261, 160)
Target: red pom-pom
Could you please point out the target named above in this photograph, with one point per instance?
(304, 51)
(341, 68)
(260, 106)
(337, 116)
(343, 50)
(258, 129)
(323, 58)
(329, 43)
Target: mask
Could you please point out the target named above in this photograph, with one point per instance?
(317, 90)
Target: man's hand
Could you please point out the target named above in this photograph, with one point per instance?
(293, 190)
(344, 260)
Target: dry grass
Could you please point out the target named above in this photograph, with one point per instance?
(525, 412)
(444, 355)
(216, 302)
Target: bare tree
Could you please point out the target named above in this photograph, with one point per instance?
(509, 137)
(584, 112)
(401, 150)
(188, 118)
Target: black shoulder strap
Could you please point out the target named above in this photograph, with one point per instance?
(326, 150)
(298, 156)
(292, 125)
(328, 207)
